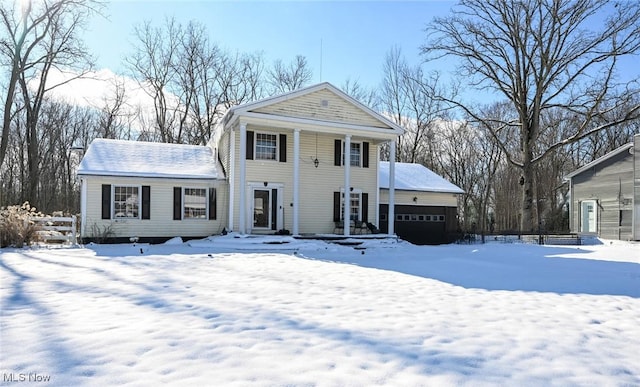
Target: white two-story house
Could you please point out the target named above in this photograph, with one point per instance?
(282, 164)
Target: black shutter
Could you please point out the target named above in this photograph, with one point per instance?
(106, 201)
(365, 155)
(249, 145)
(336, 206)
(283, 148)
(212, 204)
(274, 209)
(146, 202)
(337, 153)
(365, 207)
(177, 203)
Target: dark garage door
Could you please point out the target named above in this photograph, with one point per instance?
(420, 225)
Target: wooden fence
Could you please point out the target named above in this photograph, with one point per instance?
(56, 229)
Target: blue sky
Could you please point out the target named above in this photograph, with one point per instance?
(355, 35)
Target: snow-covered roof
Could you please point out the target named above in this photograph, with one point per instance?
(149, 159)
(416, 177)
(599, 160)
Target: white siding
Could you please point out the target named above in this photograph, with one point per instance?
(424, 198)
(161, 223)
(316, 184)
(334, 109)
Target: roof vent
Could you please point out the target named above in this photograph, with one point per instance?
(324, 103)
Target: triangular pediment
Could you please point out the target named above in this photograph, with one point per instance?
(322, 102)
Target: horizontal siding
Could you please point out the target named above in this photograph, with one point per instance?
(161, 223)
(424, 198)
(316, 184)
(607, 183)
(311, 106)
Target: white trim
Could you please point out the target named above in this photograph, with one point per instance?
(242, 228)
(593, 202)
(206, 204)
(330, 127)
(255, 145)
(343, 201)
(236, 111)
(377, 218)
(347, 184)
(599, 160)
(251, 187)
(296, 180)
(232, 175)
(113, 202)
(83, 207)
(392, 187)
(343, 155)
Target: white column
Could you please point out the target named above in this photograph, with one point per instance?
(296, 180)
(392, 187)
(377, 220)
(232, 177)
(347, 185)
(242, 184)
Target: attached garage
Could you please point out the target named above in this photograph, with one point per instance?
(425, 204)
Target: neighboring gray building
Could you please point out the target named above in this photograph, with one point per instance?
(605, 195)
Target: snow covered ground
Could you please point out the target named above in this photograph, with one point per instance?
(239, 311)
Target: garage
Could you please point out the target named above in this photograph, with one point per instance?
(425, 204)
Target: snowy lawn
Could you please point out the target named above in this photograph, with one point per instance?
(236, 311)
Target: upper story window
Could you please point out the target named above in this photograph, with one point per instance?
(126, 201)
(358, 153)
(266, 146)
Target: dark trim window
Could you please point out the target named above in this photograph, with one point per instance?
(126, 202)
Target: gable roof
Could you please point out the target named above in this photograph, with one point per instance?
(107, 157)
(599, 160)
(335, 107)
(416, 177)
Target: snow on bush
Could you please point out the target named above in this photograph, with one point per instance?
(16, 226)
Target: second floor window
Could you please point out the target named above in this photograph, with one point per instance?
(266, 146)
(354, 155)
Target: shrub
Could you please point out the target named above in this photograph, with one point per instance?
(16, 226)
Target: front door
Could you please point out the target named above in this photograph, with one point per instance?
(267, 208)
(588, 216)
(261, 208)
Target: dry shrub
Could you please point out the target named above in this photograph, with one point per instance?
(16, 227)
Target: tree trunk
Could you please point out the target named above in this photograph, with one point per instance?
(526, 181)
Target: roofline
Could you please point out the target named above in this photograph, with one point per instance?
(150, 175)
(311, 124)
(599, 160)
(460, 192)
(231, 116)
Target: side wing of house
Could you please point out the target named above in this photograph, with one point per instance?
(153, 209)
(287, 165)
(602, 196)
(150, 191)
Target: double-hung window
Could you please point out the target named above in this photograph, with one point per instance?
(354, 206)
(195, 203)
(355, 154)
(266, 146)
(126, 202)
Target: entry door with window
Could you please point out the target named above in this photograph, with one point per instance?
(267, 211)
(588, 216)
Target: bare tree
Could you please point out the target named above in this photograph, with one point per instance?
(44, 36)
(407, 96)
(542, 55)
(284, 78)
(368, 97)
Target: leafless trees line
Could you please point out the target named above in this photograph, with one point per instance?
(563, 104)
